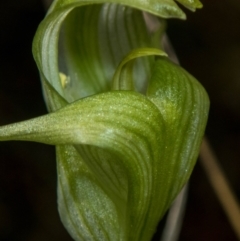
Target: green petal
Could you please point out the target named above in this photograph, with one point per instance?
(184, 105)
(103, 21)
(161, 8)
(86, 208)
(123, 77)
(96, 39)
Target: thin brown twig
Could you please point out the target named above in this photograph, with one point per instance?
(221, 186)
(175, 217)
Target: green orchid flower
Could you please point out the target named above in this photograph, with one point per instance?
(127, 122)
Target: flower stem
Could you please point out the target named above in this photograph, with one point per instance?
(221, 186)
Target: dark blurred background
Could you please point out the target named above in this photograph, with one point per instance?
(207, 45)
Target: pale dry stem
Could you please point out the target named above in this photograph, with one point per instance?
(220, 185)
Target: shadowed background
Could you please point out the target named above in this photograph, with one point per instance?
(207, 45)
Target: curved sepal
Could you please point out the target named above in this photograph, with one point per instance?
(184, 105)
(86, 210)
(118, 28)
(123, 77)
